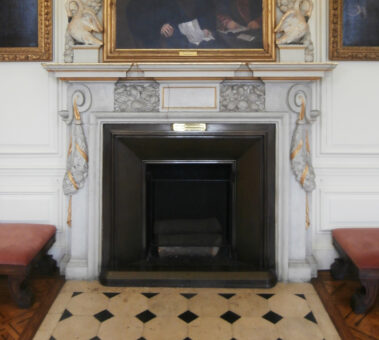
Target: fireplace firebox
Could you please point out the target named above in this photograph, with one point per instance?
(192, 208)
(188, 208)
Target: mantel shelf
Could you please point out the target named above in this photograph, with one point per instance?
(189, 71)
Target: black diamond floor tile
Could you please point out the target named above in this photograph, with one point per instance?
(272, 317)
(52, 338)
(103, 315)
(188, 295)
(111, 295)
(266, 296)
(95, 338)
(65, 315)
(187, 338)
(141, 338)
(145, 316)
(188, 316)
(311, 317)
(76, 294)
(149, 295)
(230, 316)
(226, 296)
(301, 296)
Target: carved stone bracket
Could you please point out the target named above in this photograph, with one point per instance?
(296, 96)
(83, 97)
(136, 97)
(242, 97)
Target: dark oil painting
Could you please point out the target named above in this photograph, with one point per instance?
(18, 23)
(189, 24)
(361, 23)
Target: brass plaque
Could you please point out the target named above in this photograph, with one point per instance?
(188, 53)
(189, 127)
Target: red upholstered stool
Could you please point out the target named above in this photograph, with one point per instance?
(359, 249)
(21, 247)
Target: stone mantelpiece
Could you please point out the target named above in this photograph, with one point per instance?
(216, 71)
(280, 88)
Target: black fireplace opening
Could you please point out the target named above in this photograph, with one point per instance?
(188, 208)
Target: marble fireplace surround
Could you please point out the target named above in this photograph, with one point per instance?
(257, 93)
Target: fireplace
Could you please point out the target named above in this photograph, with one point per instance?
(189, 208)
(219, 94)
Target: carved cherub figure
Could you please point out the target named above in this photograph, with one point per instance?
(293, 26)
(83, 22)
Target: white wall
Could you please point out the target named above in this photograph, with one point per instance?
(32, 146)
(345, 145)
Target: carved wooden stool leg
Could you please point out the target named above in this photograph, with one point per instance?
(340, 268)
(20, 291)
(365, 297)
(46, 265)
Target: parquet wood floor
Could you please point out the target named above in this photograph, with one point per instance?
(335, 296)
(22, 324)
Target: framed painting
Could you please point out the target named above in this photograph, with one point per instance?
(189, 30)
(353, 29)
(26, 30)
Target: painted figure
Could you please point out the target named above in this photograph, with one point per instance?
(234, 14)
(155, 23)
(360, 23)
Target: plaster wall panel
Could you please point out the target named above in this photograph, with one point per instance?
(346, 198)
(350, 123)
(34, 198)
(24, 109)
(184, 97)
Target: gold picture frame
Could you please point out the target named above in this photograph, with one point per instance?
(38, 47)
(353, 30)
(112, 51)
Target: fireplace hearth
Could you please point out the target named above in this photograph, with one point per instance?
(189, 208)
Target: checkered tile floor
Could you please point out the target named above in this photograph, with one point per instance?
(89, 311)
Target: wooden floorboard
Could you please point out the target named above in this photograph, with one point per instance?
(22, 324)
(335, 296)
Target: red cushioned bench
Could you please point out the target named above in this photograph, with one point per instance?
(359, 251)
(23, 246)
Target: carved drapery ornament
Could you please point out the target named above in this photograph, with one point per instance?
(77, 160)
(293, 27)
(300, 153)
